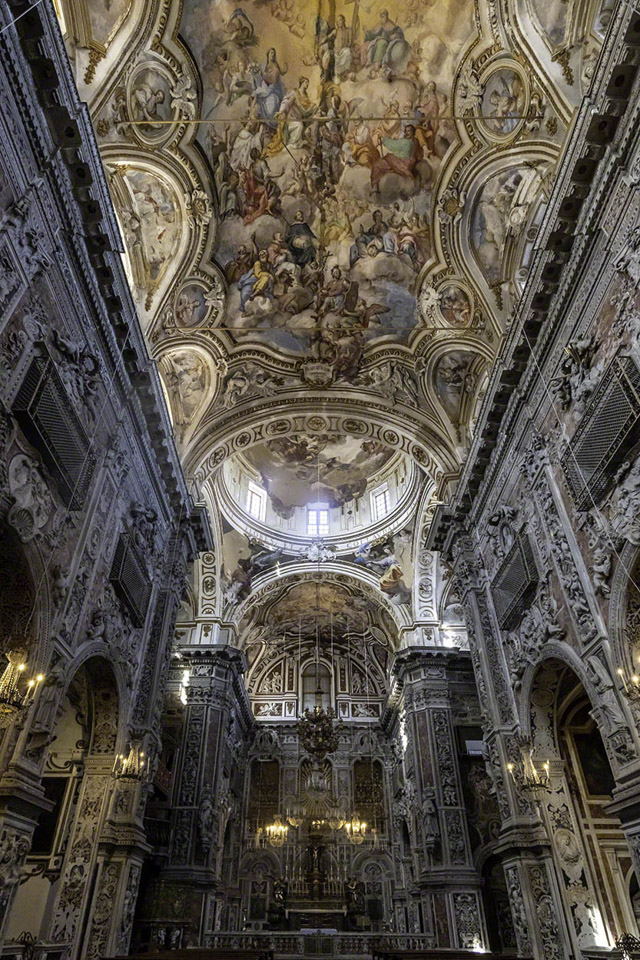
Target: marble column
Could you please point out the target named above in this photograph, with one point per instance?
(450, 907)
(524, 847)
(22, 800)
(215, 696)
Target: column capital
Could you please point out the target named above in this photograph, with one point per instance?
(213, 655)
(443, 658)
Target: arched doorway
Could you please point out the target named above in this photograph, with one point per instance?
(590, 851)
(54, 901)
(497, 908)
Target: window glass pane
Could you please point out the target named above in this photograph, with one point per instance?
(312, 678)
(380, 504)
(317, 521)
(256, 502)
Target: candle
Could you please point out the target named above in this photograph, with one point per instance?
(621, 675)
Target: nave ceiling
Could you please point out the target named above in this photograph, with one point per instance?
(328, 209)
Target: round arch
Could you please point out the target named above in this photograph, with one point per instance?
(96, 660)
(622, 583)
(292, 574)
(365, 418)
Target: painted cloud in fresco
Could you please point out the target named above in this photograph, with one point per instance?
(297, 470)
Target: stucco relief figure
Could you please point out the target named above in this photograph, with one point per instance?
(13, 849)
(33, 502)
(604, 687)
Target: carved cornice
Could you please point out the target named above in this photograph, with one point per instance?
(566, 236)
(69, 153)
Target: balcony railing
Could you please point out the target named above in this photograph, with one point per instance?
(320, 944)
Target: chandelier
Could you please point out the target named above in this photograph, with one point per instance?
(530, 780)
(356, 830)
(12, 698)
(295, 815)
(318, 731)
(277, 831)
(130, 766)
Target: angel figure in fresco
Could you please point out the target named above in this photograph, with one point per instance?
(240, 29)
(299, 180)
(186, 307)
(332, 134)
(145, 101)
(507, 102)
(238, 82)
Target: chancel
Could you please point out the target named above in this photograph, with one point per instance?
(319, 479)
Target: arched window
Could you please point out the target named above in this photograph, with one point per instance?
(316, 681)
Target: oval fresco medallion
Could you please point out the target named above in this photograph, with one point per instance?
(149, 99)
(456, 306)
(190, 306)
(504, 102)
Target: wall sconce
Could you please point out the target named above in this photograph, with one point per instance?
(630, 686)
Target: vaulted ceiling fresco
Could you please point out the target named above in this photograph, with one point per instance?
(328, 127)
(328, 211)
(298, 469)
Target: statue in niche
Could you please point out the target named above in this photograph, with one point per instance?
(430, 823)
(276, 914)
(354, 902)
(206, 821)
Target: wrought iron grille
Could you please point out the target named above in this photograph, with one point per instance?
(608, 431)
(130, 579)
(514, 585)
(48, 420)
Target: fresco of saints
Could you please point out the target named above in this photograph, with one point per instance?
(269, 89)
(385, 44)
(404, 153)
(258, 282)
